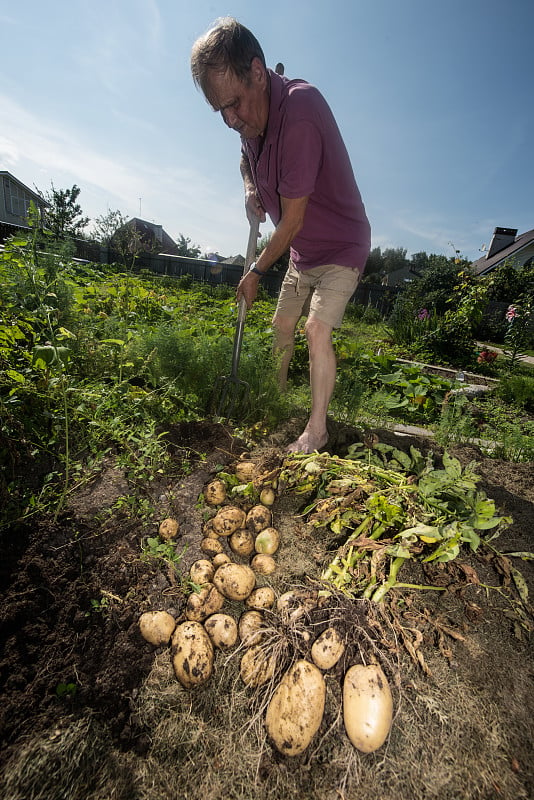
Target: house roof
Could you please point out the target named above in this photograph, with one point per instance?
(166, 243)
(38, 198)
(483, 264)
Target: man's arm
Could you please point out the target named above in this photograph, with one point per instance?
(252, 203)
(291, 222)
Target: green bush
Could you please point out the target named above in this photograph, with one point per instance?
(517, 390)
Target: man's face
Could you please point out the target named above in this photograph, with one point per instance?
(244, 106)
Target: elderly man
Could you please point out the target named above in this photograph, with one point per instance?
(295, 168)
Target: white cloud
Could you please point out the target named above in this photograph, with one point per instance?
(182, 199)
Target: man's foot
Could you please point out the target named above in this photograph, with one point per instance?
(307, 443)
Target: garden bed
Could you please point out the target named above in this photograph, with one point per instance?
(91, 711)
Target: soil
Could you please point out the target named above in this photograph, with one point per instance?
(91, 711)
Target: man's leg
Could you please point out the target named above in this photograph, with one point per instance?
(322, 381)
(284, 344)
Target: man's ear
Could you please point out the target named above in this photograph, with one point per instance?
(258, 72)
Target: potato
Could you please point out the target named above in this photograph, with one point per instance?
(222, 630)
(157, 627)
(296, 709)
(220, 558)
(367, 707)
(235, 581)
(250, 627)
(211, 546)
(228, 520)
(192, 654)
(327, 649)
(200, 605)
(242, 543)
(294, 604)
(168, 529)
(267, 496)
(215, 493)
(201, 571)
(263, 565)
(257, 667)
(267, 541)
(258, 518)
(245, 471)
(260, 598)
(208, 531)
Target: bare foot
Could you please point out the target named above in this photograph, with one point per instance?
(307, 443)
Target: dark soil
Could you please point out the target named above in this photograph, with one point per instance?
(73, 589)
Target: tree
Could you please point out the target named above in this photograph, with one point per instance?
(63, 217)
(185, 248)
(107, 225)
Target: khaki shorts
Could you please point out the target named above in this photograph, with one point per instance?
(322, 292)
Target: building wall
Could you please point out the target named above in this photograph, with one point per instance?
(14, 201)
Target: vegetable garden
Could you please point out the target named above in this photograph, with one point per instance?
(187, 611)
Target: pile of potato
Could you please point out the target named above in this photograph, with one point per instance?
(296, 708)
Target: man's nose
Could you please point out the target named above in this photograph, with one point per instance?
(230, 117)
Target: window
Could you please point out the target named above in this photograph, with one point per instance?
(17, 199)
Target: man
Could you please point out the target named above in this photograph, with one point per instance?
(296, 168)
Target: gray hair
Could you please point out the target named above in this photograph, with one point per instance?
(227, 45)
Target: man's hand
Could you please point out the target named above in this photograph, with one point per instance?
(248, 288)
(253, 207)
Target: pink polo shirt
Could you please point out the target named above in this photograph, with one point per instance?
(303, 154)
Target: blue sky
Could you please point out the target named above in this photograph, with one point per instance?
(434, 99)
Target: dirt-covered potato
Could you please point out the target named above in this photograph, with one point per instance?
(250, 627)
(263, 564)
(235, 581)
(367, 707)
(220, 558)
(157, 627)
(327, 649)
(296, 709)
(261, 598)
(228, 520)
(208, 531)
(211, 546)
(245, 471)
(258, 518)
(201, 571)
(192, 657)
(257, 667)
(294, 604)
(242, 543)
(222, 630)
(267, 541)
(200, 605)
(169, 528)
(215, 493)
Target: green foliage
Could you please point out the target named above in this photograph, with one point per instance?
(518, 391)
(410, 507)
(186, 248)
(63, 217)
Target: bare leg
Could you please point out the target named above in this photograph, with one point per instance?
(322, 381)
(284, 345)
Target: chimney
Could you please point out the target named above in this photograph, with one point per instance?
(502, 237)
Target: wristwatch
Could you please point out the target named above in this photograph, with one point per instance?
(253, 268)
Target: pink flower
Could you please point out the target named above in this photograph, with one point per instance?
(511, 313)
(423, 314)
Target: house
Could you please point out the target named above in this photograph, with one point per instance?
(506, 245)
(153, 238)
(15, 199)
